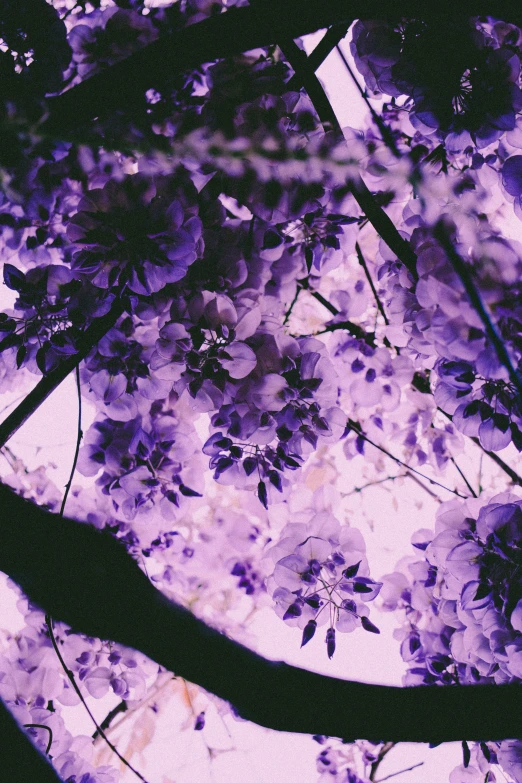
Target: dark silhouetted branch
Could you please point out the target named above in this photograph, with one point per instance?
(231, 33)
(85, 578)
(52, 380)
(21, 761)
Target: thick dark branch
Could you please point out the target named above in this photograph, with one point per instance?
(226, 35)
(232, 33)
(86, 579)
(50, 382)
(21, 761)
(316, 58)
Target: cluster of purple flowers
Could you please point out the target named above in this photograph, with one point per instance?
(142, 462)
(104, 37)
(472, 95)
(138, 234)
(222, 253)
(462, 604)
(472, 383)
(277, 417)
(322, 578)
(342, 761)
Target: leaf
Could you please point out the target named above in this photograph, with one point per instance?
(188, 492)
(262, 494)
(308, 632)
(14, 278)
(352, 570)
(20, 356)
(368, 625)
(466, 754)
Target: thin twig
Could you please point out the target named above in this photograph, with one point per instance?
(423, 486)
(513, 475)
(353, 425)
(163, 679)
(49, 735)
(364, 265)
(384, 130)
(353, 329)
(356, 490)
(325, 303)
(292, 304)
(394, 774)
(382, 755)
(79, 437)
(382, 224)
(70, 675)
(465, 480)
(49, 619)
(106, 722)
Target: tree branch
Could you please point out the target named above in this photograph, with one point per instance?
(86, 579)
(52, 380)
(21, 761)
(316, 58)
(231, 33)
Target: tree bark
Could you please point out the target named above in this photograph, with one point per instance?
(86, 579)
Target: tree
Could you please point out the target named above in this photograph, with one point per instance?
(245, 292)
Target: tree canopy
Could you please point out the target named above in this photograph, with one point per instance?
(253, 300)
